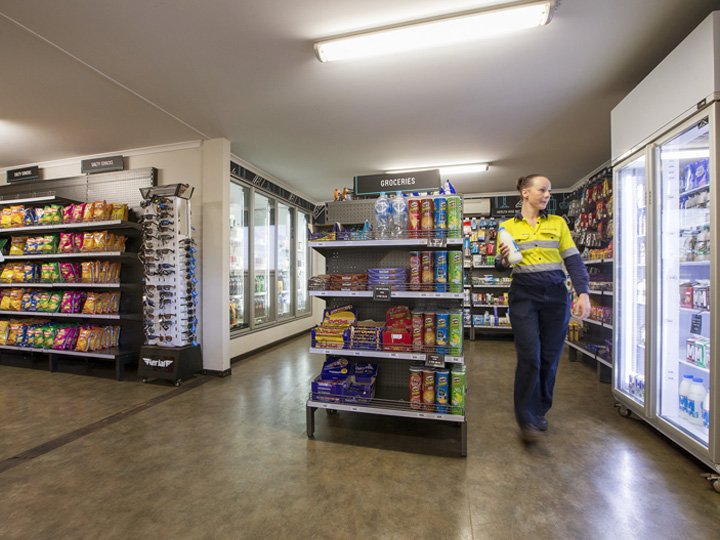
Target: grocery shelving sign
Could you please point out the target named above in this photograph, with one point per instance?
(408, 181)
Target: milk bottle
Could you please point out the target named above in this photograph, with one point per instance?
(706, 411)
(696, 394)
(683, 396)
(506, 238)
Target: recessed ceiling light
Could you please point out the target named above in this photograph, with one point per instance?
(437, 31)
(463, 168)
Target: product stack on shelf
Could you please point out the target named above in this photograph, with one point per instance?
(402, 270)
(170, 305)
(591, 208)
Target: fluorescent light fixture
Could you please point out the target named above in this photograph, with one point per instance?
(434, 32)
(464, 168)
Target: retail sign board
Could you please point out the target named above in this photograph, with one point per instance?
(104, 164)
(696, 325)
(26, 173)
(382, 293)
(506, 206)
(435, 360)
(412, 181)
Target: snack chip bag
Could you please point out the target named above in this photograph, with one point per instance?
(119, 243)
(17, 245)
(4, 328)
(103, 276)
(101, 240)
(61, 338)
(88, 272)
(114, 273)
(15, 332)
(18, 272)
(88, 242)
(94, 339)
(90, 304)
(66, 305)
(119, 212)
(115, 336)
(29, 219)
(39, 337)
(26, 303)
(16, 296)
(67, 213)
(98, 211)
(53, 214)
(48, 244)
(67, 243)
(83, 338)
(16, 216)
(6, 218)
(50, 273)
(78, 212)
(40, 216)
(29, 273)
(8, 273)
(44, 301)
(114, 303)
(68, 273)
(55, 301)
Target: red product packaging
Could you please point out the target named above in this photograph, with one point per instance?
(416, 380)
(415, 270)
(414, 217)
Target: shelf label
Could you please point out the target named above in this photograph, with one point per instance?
(696, 325)
(111, 163)
(435, 360)
(437, 242)
(382, 293)
(26, 173)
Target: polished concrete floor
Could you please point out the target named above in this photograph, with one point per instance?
(229, 458)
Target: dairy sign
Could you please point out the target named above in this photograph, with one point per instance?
(412, 181)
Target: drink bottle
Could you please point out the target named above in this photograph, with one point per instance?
(382, 217)
(506, 238)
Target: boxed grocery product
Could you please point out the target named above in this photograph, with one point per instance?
(364, 373)
(335, 368)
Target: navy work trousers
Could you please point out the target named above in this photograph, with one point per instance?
(539, 317)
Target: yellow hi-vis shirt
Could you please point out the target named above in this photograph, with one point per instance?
(544, 249)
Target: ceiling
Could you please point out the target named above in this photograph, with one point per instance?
(84, 77)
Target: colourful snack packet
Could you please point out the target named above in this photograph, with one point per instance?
(93, 340)
(8, 273)
(26, 302)
(67, 213)
(44, 301)
(16, 296)
(67, 272)
(54, 302)
(16, 329)
(4, 329)
(16, 216)
(119, 212)
(104, 271)
(67, 243)
(119, 244)
(17, 245)
(78, 212)
(88, 272)
(98, 211)
(50, 273)
(29, 219)
(5, 218)
(114, 303)
(40, 216)
(83, 338)
(87, 213)
(18, 272)
(90, 304)
(88, 242)
(66, 305)
(48, 244)
(60, 339)
(29, 273)
(101, 240)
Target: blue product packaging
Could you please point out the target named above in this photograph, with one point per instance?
(441, 218)
(335, 368)
(442, 390)
(441, 270)
(364, 372)
(702, 177)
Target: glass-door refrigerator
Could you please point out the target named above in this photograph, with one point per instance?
(285, 275)
(302, 258)
(666, 273)
(630, 248)
(239, 258)
(263, 259)
(683, 173)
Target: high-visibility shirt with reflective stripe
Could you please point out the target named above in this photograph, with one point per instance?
(545, 248)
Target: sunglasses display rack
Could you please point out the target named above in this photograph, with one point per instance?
(170, 298)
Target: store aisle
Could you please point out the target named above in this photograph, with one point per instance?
(229, 459)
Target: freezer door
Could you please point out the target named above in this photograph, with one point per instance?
(630, 256)
(684, 176)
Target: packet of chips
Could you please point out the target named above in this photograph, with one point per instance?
(103, 276)
(114, 302)
(17, 329)
(114, 276)
(87, 213)
(17, 245)
(68, 272)
(5, 301)
(94, 338)
(98, 211)
(87, 272)
(83, 339)
(90, 304)
(16, 296)
(55, 301)
(50, 273)
(78, 212)
(8, 274)
(53, 214)
(44, 301)
(119, 212)
(29, 217)
(40, 216)
(28, 303)
(67, 243)
(101, 240)
(4, 328)
(18, 272)
(88, 245)
(6, 218)
(29, 273)
(16, 216)
(61, 337)
(67, 213)
(66, 305)
(48, 244)
(39, 332)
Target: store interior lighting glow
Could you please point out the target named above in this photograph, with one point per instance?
(465, 168)
(435, 32)
(685, 154)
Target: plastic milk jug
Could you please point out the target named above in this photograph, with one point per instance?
(695, 398)
(506, 238)
(683, 395)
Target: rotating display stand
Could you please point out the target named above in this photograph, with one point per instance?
(171, 351)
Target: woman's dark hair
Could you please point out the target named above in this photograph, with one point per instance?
(525, 181)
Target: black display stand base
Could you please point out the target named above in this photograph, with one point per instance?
(169, 363)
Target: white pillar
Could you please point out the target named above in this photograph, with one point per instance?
(216, 255)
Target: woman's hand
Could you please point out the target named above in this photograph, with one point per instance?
(505, 252)
(582, 306)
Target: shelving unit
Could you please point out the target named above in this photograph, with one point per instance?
(392, 395)
(591, 208)
(114, 186)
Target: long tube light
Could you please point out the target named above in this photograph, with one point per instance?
(464, 168)
(437, 31)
